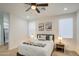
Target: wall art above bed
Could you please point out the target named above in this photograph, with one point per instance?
(41, 26)
(48, 26)
(45, 26)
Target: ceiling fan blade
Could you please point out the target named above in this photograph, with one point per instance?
(28, 9)
(37, 10)
(42, 4)
(33, 3)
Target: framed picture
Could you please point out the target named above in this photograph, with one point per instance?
(48, 26)
(41, 27)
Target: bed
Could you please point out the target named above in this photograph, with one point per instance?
(37, 48)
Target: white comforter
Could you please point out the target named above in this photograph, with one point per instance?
(30, 50)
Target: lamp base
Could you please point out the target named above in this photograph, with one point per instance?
(60, 42)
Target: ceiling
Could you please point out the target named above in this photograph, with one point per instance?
(52, 9)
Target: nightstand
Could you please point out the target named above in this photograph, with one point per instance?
(60, 47)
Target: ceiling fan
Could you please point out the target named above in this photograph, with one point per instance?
(35, 6)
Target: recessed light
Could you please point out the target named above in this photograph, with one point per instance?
(65, 9)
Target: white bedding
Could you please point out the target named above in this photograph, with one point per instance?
(30, 50)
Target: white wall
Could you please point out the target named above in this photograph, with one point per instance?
(45, 20)
(70, 43)
(17, 31)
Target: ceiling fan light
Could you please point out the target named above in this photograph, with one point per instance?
(33, 7)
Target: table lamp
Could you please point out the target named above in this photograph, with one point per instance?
(32, 36)
(60, 39)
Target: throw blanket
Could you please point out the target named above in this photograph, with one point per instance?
(35, 44)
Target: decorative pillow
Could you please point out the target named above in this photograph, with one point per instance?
(35, 44)
(43, 38)
(25, 43)
(50, 37)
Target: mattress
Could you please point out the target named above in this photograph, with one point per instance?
(30, 50)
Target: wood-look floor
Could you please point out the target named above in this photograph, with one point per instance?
(5, 52)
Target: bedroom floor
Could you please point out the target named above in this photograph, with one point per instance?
(66, 53)
(5, 52)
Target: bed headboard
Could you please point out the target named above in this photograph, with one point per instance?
(47, 36)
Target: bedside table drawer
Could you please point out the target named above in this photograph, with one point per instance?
(60, 47)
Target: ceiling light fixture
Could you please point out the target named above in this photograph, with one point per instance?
(33, 7)
(65, 9)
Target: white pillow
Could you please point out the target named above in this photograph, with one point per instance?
(50, 38)
(42, 38)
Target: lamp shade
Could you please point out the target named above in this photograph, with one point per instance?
(59, 38)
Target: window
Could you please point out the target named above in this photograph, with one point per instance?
(66, 27)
